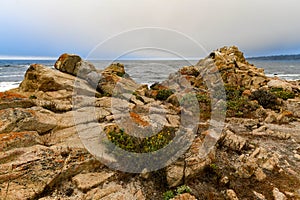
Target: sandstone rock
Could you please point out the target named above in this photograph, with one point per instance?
(98, 193)
(233, 141)
(14, 100)
(259, 196)
(293, 105)
(41, 78)
(74, 65)
(231, 195)
(40, 168)
(278, 195)
(18, 139)
(280, 84)
(194, 162)
(185, 196)
(87, 181)
(19, 119)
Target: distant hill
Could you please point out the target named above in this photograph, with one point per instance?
(276, 57)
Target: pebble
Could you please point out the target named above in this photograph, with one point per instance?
(297, 156)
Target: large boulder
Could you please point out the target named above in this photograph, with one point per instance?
(114, 81)
(235, 69)
(74, 65)
(44, 79)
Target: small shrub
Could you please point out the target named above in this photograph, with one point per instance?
(265, 98)
(183, 189)
(32, 97)
(164, 94)
(168, 195)
(283, 94)
(138, 145)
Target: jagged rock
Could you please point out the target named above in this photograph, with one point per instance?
(192, 164)
(114, 82)
(233, 141)
(234, 69)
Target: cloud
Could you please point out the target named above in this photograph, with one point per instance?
(54, 26)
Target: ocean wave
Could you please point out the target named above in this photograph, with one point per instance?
(8, 85)
(8, 76)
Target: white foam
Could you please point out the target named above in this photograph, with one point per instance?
(8, 85)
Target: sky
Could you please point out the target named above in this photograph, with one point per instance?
(147, 28)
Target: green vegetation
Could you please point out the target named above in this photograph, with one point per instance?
(237, 104)
(164, 94)
(141, 145)
(168, 195)
(179, 190)
(32, 97)
(283, 94)
(183, 189)
(265, 98)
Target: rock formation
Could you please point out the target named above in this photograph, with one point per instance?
(255, 156)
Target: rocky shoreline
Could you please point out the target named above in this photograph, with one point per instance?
(256, 155)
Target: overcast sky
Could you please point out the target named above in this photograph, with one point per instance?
(188, 28)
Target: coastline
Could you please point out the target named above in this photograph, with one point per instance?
(46, 131)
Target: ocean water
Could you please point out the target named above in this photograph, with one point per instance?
(12, 71)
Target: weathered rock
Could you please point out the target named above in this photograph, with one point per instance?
(14, 100)
(277, 83)
(185, 196)
(234, 69)
(50, 81)
(194, 163)
(74, 65)
(278, 195)
(19, 119)
(88, 181)
(259, 196)
(233, 141)
(231, 195)
(293, 105)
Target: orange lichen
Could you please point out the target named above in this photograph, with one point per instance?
(10, 95)
(4, 137)
(137, 119)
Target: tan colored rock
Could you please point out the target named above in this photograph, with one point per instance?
(259, 196)
(276, 83)
(231, 195)
(278, 195)
(234, 141)
(90, 180)
(74, 65)
(41, 78)
(19, 119)
(185, 196)
(98, 193)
